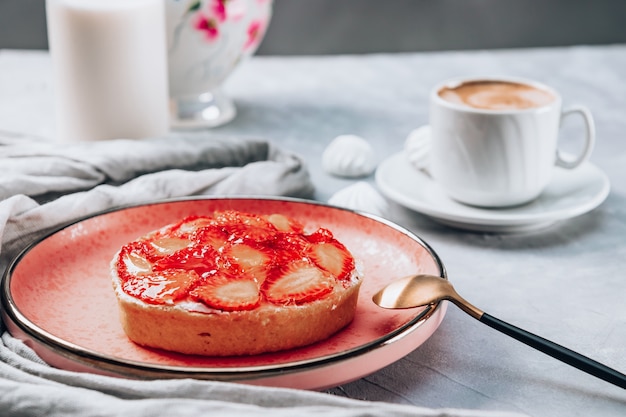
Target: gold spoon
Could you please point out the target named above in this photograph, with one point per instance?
(421, 290)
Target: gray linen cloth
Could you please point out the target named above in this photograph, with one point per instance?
(44, 185)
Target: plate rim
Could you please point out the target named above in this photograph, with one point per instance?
(12, 316)
(477, 221)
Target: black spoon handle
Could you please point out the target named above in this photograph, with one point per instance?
(557, 351)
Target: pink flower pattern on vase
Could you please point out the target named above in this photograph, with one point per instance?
(218, 8)
(206, 25)
(208, 39)
(208, 21)
(255, 30)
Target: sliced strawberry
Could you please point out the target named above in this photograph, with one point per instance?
(285, 247)
(333, 257)
(209, 235)
(284, 223)
(297, 283)
(169, 245)
(321, 235)
(140, 248)
(191, 224)
(133, 262)
(135, 258)
(248, 260)
(250, 227)
(231, 217)
(228, 293)
(199, 258)
(163, 287)
(249, 233)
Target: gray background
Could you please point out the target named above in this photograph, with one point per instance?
(362, 26)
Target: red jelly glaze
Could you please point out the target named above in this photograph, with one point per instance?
(173, 277)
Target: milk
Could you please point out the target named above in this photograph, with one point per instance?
(110, 68)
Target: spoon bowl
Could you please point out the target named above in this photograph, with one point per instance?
(421, 290)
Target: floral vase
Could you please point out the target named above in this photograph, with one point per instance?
(207, 39)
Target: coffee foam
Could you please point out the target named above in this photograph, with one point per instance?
(497, 95)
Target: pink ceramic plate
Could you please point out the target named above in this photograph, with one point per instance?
(58, 298)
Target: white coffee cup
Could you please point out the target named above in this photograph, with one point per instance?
(494, 139)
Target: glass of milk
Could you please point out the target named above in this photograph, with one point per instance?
(110, 68)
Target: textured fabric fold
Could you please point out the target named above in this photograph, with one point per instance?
(45, 170)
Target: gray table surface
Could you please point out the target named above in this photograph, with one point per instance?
(566, 283)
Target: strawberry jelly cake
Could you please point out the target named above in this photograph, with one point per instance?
(234, 284)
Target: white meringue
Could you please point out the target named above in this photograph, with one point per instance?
(417, 147)
(361, 196)
(349, 156)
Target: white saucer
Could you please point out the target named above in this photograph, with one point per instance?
(569, 194)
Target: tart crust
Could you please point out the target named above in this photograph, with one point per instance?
(268, 328)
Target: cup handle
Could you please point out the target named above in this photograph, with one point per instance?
(590, 138)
